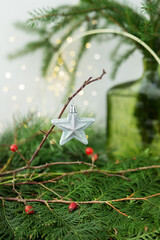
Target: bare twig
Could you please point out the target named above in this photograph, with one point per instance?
(19, 194)
(44, 166)
(116, 209)
(109, 173)
(69, 174)
(137, 169)
(108, 202)
(68, 101)
(21, 156)
(89, 171)
(60, 163)
(51, 190)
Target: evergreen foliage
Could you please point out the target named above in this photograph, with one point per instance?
(89, 221)
(64, 21)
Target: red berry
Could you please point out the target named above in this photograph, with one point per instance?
(89, 150)
(29, 209)
(94, 157)
(73, 206)
(13, 147)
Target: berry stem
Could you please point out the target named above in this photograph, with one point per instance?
(14, 189)
(22, 157)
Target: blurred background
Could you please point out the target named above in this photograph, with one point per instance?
(22, 87)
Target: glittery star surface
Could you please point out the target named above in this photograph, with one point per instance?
(73, 126)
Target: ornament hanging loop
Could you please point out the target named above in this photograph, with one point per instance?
(72, 109)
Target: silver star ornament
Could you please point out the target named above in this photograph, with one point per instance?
(73, 126)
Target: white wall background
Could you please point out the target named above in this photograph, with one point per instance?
(21, 86)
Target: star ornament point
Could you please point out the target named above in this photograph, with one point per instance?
(73, 127)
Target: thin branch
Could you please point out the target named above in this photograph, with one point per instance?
(108, 202)
(68, 14)
(89, 171)
(138, 168)
(14, 189)
(68, 101)
(43, 166)
(81, 202)
(116, 209)
(108, 173)
(69, 174)
(51, 190)
(60, 163)
(21, 156)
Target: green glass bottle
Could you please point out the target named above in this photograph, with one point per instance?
(133, 114)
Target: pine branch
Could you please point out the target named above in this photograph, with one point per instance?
(30, 47)
(73, 12)
(138, 169)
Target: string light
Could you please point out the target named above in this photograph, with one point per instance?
(88, 45)
(58, 41)
(97, 56)
(61, 73)
(5, 89)
(71, 70)
(8, 75)
(81, 93)
(56, 68)
(69, 39)
(94, 22)
(60, 61)
(11, 39)
(21, 87)
(73, 63)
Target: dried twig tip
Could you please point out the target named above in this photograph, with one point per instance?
(104, 72)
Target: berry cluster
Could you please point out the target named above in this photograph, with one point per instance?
(94, 156)
(73, 206)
